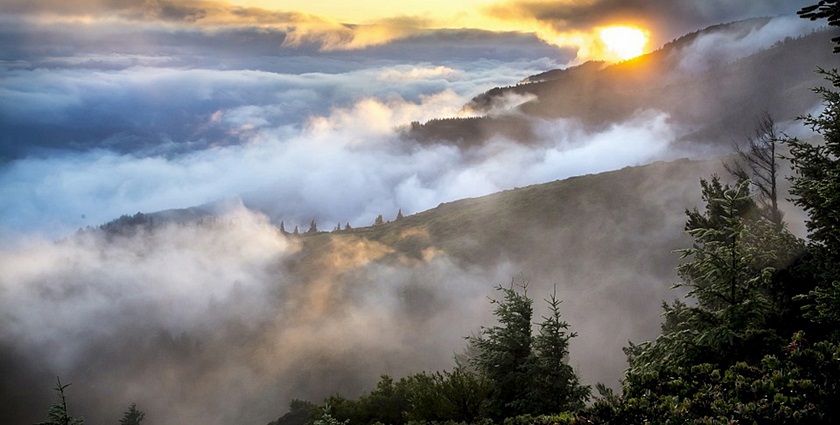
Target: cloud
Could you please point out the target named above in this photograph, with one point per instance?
(300, 28)
(204, 322)
(722, 47)
(572, 23)
(349, 165)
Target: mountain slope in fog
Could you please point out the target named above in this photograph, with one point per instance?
(179, 310)
(698, 80)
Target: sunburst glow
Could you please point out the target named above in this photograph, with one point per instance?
(624, 42)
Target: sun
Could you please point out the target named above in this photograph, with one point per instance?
(624, 42)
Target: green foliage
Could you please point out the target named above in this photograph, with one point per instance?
(446, 396)
(561, 419)
(556, 387)
(132, 416)
(729, 273)
(58, 414)
(504, 355)
(824, 9)
(800, 386)
(326, 418)
(300, 412)
(455, 396)
(526, 374)
(816, 188)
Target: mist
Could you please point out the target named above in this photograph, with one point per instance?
(207, 323)
(225, 319)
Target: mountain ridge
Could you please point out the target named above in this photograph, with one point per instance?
(714, 105)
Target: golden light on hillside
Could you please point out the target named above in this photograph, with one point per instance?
(624, 42)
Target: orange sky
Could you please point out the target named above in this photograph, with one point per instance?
(342, 25)
(381, 22)
(446, 13)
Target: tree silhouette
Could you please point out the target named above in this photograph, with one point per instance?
(58, 414)
(758, 163)
(132, 416)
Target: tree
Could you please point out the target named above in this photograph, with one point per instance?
(347, 226)
(504, 355)
(58, 414)
(556, 388)
(815, 187)
(296, 231)
(379, 220)
(313, 228)
(758, 163)
(729, 273)
(283, 228)
(399, 215)
(824, 9)
(132, 416)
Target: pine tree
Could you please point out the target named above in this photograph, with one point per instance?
(379, 220)
(296, 231)
(58, 414)
(399, 215)
(504, 355)
(132, 416)
(816, 188)
(824, 9)
(313, 228)
(347, 226)
(556, 388)
(728, 271)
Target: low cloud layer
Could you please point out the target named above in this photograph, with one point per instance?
(205, 323)
(346, 167)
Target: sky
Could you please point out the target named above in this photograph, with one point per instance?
(266, 112)
(116, 107)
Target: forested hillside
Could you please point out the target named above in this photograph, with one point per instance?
(755, 339)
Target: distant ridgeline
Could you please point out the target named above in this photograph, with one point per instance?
(717, 98)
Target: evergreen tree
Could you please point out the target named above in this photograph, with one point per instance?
(296, 231)
(300, 412)
(556, 387)
(824, 9)
(132, 416)
(379, 220)
(504, 355)
(399, 215)
(728, 273)
(347, 226)
(283, 228)
(313, 228)
(58, 414)
(815, 187)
